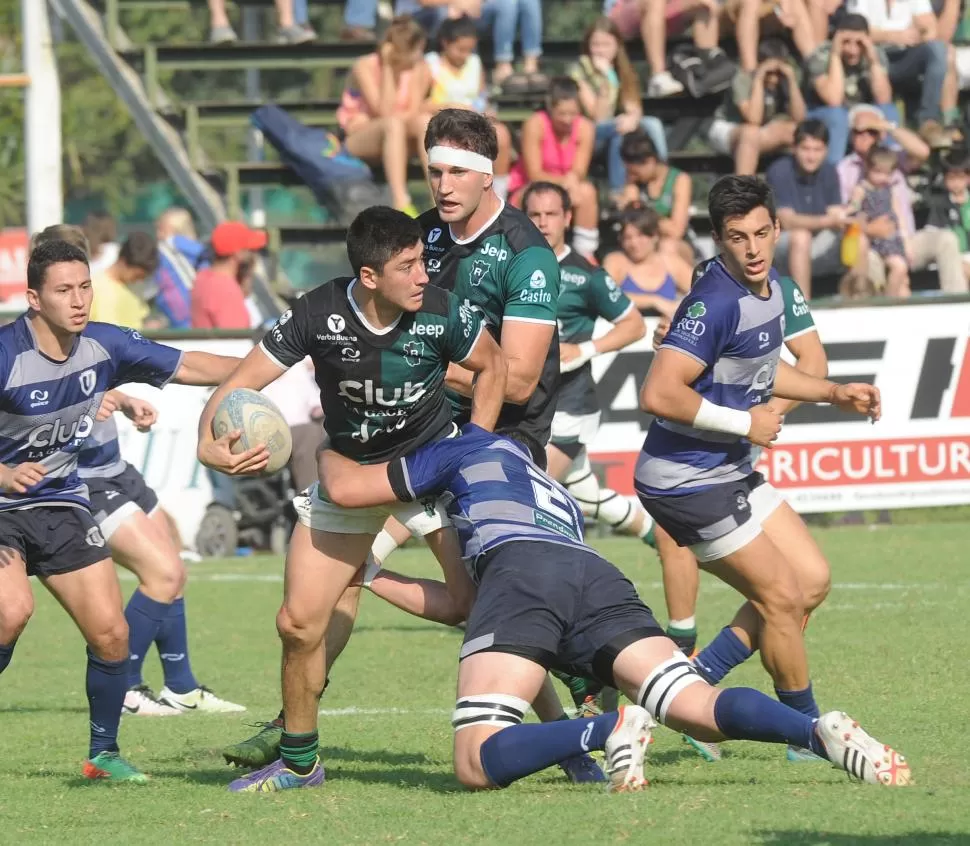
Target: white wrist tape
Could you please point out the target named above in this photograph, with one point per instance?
(372, 569)
(717, 418)
(587, 350)
(455, 157)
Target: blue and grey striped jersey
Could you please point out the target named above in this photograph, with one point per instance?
(492, 491)
(737, 336)
(100, 455)
(47, 407)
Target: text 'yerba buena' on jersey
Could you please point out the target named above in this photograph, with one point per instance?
(381, 390)
(737, 337)
(506, 272)
(492, 491)
(48, 408)
(585, 294)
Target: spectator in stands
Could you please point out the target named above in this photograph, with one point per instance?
(609, 92)
(498, 19)
(822, 13)
(179, 254)
(874, 197)
(102, 233)
(458, 82)
(381, 114)
(220, 290)
(844, 72)
(114, 300)
(810, 208)
(908, 33)
(652, 183)
(755, 19)
(653, 281)
(928, 244)
(653, 20)
(950, 207)
(761, 111)
(290, 28)
(360, 21)
(557, 145)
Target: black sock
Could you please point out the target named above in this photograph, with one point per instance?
(300, 751)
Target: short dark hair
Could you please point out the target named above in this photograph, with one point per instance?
(773, 48)
(464, 129)
(61, 232)
(645, 220)
(452, 29)
(736, 196)
(140, 250)
(47, 254)
(546, 188)
(637, 146)
(811, 128)
(561, 88)
(956, 159)
(377, 235)
(852, 22)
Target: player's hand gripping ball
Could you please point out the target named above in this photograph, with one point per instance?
(259, 421)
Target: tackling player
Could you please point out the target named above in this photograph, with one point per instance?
(381, 344)
(710, 387)
(545, 600)
(55, 369)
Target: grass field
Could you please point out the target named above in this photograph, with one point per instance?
(888, 647)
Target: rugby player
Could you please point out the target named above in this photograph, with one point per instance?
(137, 533)
(546, 599)
(710, 388)
(381, 344)
(56, 368)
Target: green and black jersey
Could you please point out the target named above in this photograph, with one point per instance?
(382, 391)
(505, 272)
(585, 294)
(798, 314)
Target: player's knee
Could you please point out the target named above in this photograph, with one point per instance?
(469, 770)
(783, 600)
(167, 581)
(15, 612)
(297, 631)
(110, 641)
(815, 592)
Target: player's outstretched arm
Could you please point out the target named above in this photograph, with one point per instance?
(202, 368)
(487, 361)
(140, 412)
(857, 397)
(351, 485)
(255, 371)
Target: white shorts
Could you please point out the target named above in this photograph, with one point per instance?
(763, 501)
(574, 428)
(720, 136)
(317, 513)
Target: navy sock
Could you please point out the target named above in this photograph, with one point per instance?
(173, 647)
(6, 653)
(742, 713)
(801, 700)
(144, 616)
(518, 751)
(721, 655)
(106, 685)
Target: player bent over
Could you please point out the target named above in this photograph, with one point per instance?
(710, 388)
(381, 344)
(55, 368)
(545, 599)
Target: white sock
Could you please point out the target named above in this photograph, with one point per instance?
(500, 185)
(647, 523)
(384, 544)
(585, 241)
(685, 625)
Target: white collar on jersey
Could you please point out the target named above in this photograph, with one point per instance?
(360, 315)
(484, 226)
(565, 252)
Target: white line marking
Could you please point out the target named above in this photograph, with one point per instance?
(376, 712)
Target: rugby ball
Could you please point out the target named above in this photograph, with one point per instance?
(260, 422)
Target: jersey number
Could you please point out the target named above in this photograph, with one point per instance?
(550, 499)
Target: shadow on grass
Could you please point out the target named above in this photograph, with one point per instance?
(770, 837)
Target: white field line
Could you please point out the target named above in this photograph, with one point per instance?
(380, 712)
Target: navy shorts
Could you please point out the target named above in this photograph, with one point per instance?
(557, 605)
(53, 539)
(115, 498)
(694, 518)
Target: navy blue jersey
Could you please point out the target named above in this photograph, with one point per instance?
(492, 491)
(47, 407)
(737, 336)
(100, 455)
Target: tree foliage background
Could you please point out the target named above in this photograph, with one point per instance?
(106, 160)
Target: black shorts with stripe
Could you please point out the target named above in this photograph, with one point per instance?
(52, 539)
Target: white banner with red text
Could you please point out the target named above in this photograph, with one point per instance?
(917, 455)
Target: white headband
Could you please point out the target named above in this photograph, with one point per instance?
(459, 158)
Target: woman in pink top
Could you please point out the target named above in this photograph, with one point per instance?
(380, 113)
(557, 145)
